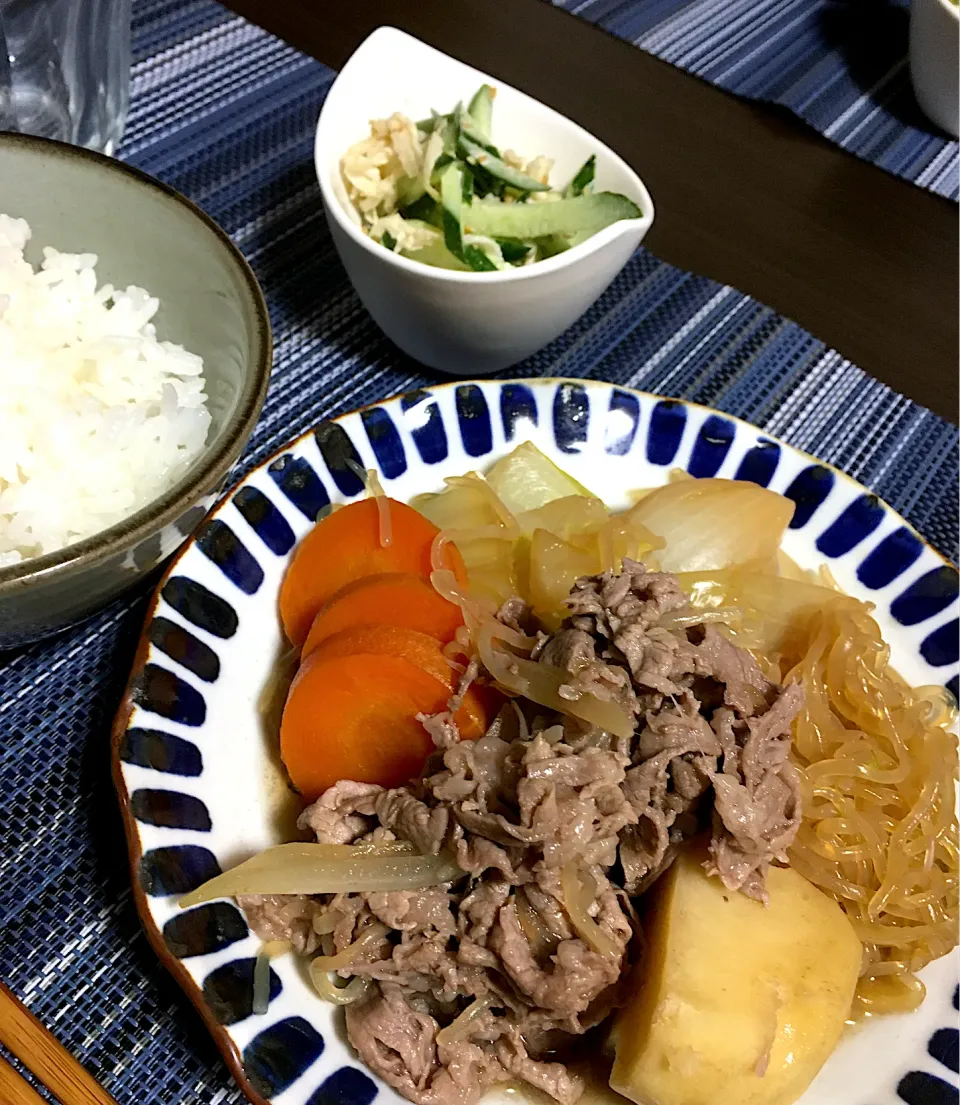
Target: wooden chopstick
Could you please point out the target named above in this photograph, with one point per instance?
(14, 1089)
(41, 1053)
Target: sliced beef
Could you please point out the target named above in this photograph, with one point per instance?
(550, 1078)
(744, 686)
(715, 733)
(343, 813)
(286, 917)
(397, 1042)
(757, 810)
(414, 910)
(541, 806)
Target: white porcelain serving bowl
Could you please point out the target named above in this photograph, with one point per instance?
(466, 324)
(934, 58)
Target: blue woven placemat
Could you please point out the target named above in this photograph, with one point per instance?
(226, 113)
(841, 65)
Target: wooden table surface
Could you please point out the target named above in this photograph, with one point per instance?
(744, 192)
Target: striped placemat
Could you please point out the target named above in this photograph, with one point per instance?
(226, 113)
(840, 66)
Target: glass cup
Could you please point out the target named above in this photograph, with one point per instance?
(65, 70)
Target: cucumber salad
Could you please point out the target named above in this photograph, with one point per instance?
(440, 192)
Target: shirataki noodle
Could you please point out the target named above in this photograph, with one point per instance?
(879, 776)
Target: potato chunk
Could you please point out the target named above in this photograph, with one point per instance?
(737, 1003)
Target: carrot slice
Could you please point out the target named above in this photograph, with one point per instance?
(345, 546)
(376, 641)
(392, 599)
(354, 717)
(391, 640)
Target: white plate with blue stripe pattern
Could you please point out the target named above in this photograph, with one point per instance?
(200, 785)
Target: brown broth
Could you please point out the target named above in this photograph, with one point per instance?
(595, 1072)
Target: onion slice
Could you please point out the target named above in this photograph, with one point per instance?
(541, 683)
(355, 990)
(370, 936)
(708, 524)
(577, 896)
(261, 974)
(541, 940)
(325, 869)
(460, 1028)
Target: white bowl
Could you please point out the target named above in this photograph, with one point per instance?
(466, 324)
(934, 56)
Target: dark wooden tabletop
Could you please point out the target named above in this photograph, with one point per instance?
(744, 192)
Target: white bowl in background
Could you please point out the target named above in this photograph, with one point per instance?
(934, 60)
(466, 323)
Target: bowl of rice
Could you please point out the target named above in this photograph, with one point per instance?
(135, 354)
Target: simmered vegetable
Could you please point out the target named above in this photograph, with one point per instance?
(395, 599)
(392, 640)
(352, 712)
(736, 1003)
(530, 529)
(526, 480)
(361, 539)
(709, 524)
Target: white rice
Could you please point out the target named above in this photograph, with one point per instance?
(97, 417)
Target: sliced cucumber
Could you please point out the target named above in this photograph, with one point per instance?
(451, 196)
(426, 209)
(428, 126)
(583, 177)
(513, 250)
(466, 129)
(438, 166)
(486, 185)
(552, 244)
(438, 255)
(480, 111)
(389, 241)
(478, 260)
(409, 190)
(466, 187)
(450, 134)
(480, 155)
(580, 214)
(489, 246)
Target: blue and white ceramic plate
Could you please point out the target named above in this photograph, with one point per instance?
(200, 785)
